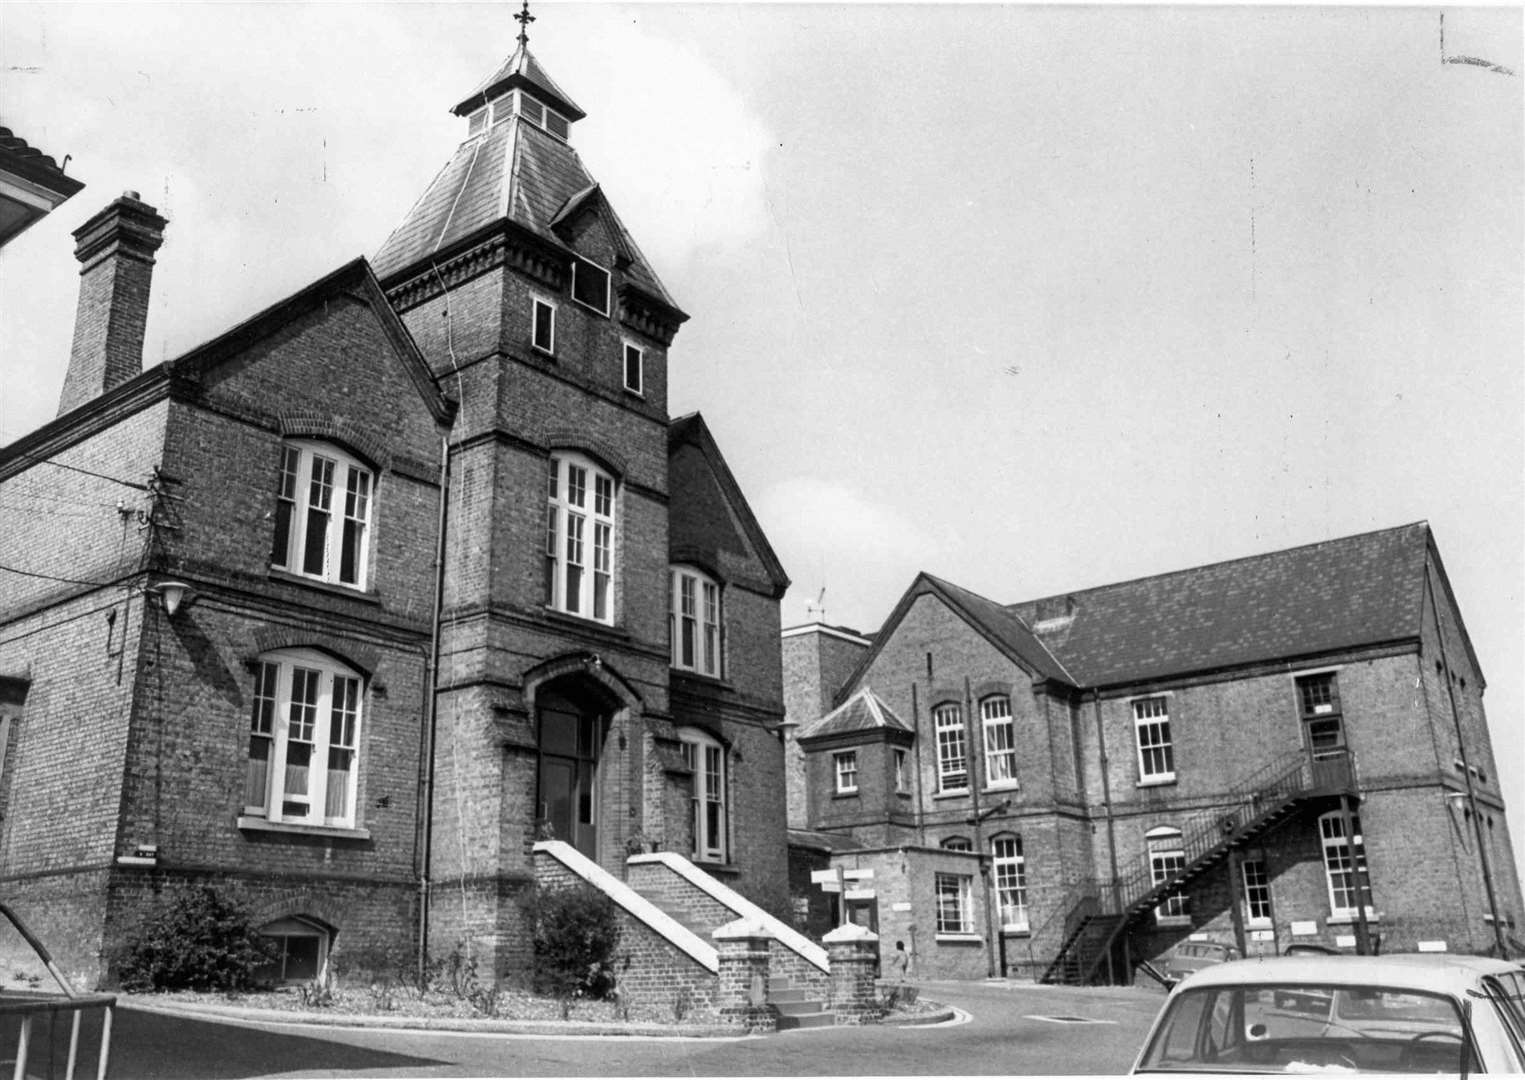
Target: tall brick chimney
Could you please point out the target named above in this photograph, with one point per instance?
(116, 253)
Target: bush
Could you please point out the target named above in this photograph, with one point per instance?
(200, 941)
(575, 932)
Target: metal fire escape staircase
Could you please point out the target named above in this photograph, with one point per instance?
(1098, 913)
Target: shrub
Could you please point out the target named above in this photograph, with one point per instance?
(575, 932)
(199, 941)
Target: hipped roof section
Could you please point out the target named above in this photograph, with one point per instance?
(864, 711)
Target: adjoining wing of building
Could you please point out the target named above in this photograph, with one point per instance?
(1281, 749)
(395, 598)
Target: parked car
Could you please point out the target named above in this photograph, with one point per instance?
(1410, 1013)
(1189, 957)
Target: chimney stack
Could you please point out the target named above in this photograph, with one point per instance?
(115, 249)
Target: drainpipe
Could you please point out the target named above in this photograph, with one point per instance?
(431, 716)
(1466, 768)
(975, 780)
(921, 806)
(1106, 787)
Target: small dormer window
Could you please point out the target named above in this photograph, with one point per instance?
(590, 286)
(476, 123)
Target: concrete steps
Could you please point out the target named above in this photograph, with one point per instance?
(794, 1009)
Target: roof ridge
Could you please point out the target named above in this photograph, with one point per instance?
(1422, 522)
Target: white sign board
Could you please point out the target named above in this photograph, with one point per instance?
(1262, 935)
(858, 875)
(1345, 941)
(900, 905)
(859, 894)
(820, 877)
(1304, 929)
(1431, 946)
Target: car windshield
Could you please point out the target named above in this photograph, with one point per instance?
(1309, 1028)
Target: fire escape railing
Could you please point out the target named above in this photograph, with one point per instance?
(1204, 834)
(32, 1004)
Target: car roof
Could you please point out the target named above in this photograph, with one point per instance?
(1404, 971)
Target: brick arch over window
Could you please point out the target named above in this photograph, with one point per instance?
(363, 658)
(315, 425)
(991, 688)
(581, 441)
(699, 558)
(299, 903)
(946, 695)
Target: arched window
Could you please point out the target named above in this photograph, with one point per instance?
(1000, 742)
(706, 757)
(693, 622)
(952, 758)
(579, 538)
(304, 738)
(322, 514)
(1345, 875)
(1010, 881)
(1167, 857)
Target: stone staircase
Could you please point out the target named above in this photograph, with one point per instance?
(794, 1007)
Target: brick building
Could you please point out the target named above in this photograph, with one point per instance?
(350, 607)
(1067, 786)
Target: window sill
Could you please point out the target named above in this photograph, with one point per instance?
(959, 939)
(1259, 924)
(582, 622)
(725, 869)
(690, 673)
(1349, 918)
(249, 823)
(365, 596)
(1017, 931)
(1157, 781)
(1000, 785)
(853, 794)
(1172, 920)
(957, 793)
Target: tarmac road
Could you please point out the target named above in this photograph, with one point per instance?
(1001, 1028)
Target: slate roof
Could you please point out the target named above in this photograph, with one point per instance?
(864, 711)
(518, 172)
(1006, 626)
(520, 69)
(1338, 594)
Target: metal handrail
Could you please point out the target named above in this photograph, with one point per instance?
(31, 1005)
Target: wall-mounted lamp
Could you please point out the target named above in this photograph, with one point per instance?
(784, 728)
(171, 595)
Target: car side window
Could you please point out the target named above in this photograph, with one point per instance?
(1509, 1002)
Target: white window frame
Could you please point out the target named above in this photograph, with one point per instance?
(952, 749)
(536, 304)
(577, 264)
(1000, 733)
(1151, 731)
(318, 478)
(706, 757)
(1255, 883)
(844, 767)
(303, 697)
(1009, 866)
(696, 622)
(283, 930)
(901, 759)
(627, 347)
(954, 897)
(1337, 865)
(1167, 856)
(581, 515)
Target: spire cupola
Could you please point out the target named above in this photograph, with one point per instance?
(520, 87)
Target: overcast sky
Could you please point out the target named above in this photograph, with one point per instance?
(1033, 298)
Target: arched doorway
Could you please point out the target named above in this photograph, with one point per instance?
(570, 727)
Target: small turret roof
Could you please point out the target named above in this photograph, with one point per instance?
(523, 70)
(864, 711)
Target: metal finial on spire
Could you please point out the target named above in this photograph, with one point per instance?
(524, 18)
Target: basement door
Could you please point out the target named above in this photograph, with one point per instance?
(568, 774)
